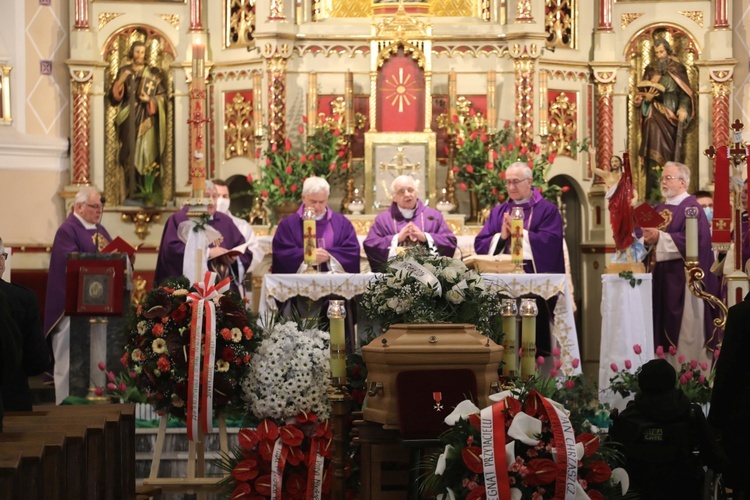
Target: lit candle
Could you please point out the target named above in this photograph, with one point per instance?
(258, 103)
(199, 50)
(691, 234)
(349, 102)
(336, 315)
(491, 105)
(452, 91)
(509, 311)
(309, 238)
(312, 104)
(516, 238)
(528, 337)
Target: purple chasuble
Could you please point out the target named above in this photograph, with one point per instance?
(172, 248)
(70, 237)
(543, 225)
(335, 229)
(669, 277)
(387, 224)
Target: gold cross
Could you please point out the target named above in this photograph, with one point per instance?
(149, 87)
(399, 163)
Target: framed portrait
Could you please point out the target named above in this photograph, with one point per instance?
(94, 287)
(390, 154)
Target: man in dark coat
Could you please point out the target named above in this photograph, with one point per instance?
(10, 347)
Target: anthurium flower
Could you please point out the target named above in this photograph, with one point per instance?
(516, 494)
(243, 490)
(440, 467)
(472, 456)
(263, 485)
(448, 495)
(462, 410)
(599, 472)
(304, 417)
(295, 455)
(323, 429)
(540, 471)
(291, 435)
(248, 438)
(499, 396)
(526, 429)
(267, 429)
(247, 470)
(620, 476)
(590, 443)
(295, 485)
(265, 448)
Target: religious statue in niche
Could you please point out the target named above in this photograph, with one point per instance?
(666, 104)
(140, 114)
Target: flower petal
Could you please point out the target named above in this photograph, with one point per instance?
(462, 410)
(525, 428)
(620, 475)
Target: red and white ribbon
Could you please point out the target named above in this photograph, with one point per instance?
(278, 462)
(496, 484)
(315, 472)
(565, 444)
(200, 408)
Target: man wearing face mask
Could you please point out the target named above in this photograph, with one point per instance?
(81, 232)
(177, 251)
(706, 200)
(222, 206)
(407, 223)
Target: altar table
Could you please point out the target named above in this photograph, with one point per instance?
(283, 287)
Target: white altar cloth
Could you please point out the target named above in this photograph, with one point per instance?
(626, 320)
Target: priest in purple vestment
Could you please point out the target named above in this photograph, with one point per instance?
(407, 222)
(338, 248)
(542, 225)
(680, 318)
(180, 244)
(81, 232)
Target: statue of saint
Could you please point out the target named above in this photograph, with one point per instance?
(141, 124)
(667, 104)
(622, 197)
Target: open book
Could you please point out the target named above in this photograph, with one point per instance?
(232, 252)
(122, 246)
(645, 85)
(496, 264)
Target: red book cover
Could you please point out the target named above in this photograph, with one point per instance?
(646, 216)
(122, 246)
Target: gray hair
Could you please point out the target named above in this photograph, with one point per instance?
(665, 43)
(314, 185)
(684, 170)
(402, 179)
(84, 194)
(522, 167)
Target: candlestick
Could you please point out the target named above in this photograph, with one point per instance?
(516, 238)
(312, 104)
(491, 105)
(528, 313)
(258, 103)
(543, 111)
(336, 315)
(509, 311)
(452, 91)
(349, 102)
(691, 234)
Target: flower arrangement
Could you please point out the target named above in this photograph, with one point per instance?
(693, 378)
(523, 436)
(286, 391)
(290, 374)
(442, 290)
(122, 386)
(158, 347)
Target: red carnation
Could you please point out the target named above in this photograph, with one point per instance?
(227, 354)
(489, 165)
(248, 332)
(551, 158)
(344, 166)
(268, 162)
(163, 364)
(302, 159)
(455, 170)
(158, 329)
(332, 168)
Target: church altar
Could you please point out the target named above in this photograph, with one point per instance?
(282, 287)
(626, 321)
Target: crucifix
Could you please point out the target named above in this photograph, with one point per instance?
(738, 155)
(400, 163)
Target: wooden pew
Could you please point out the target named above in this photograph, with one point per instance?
(10, 474)
(53, 462)
(34, 458)
(91, 475)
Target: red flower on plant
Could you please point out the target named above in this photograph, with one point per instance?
(599, 472)
(540, 471)
(163, 364)
(477, 493)
(282, 190)
(469, 169)
(590, 443)
(250, 177)
(264, 193)
(293, 188)
(226, 334)
(551, 158)
(462, 186)
(248, 332)
(263, 485)
(489, 166)
(227, 354)
(472, 456)
(277, 181)
(301, 129)
(158, 329)
(243, 490)
(247, 470)
(565, 189)
(248, 438)
(336, 132)
(291, 435)
(288, 145)
(267, 429)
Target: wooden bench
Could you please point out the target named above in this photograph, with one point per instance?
(10, 474)
(53, 462)
(34, 459)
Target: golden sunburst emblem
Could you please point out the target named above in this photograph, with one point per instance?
(400, 90)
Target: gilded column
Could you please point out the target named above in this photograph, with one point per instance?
(277, 99)
(605, 15)
(81, 87)
(524, 63)
(605, 81)
(197, 122)
(196, 16)
(721, 89)
(81, 15)
(720, 15)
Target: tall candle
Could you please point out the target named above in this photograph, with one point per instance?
(309, 238)
(312, 104)
(528, 312)
(199, 50)
(349, 102)
(543, 107)
(510, 338)
(691, 234)
(452, 91)
(336, 315)
(491, 105)
(258, 103)
(516, 237)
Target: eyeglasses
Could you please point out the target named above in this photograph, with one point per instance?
(95, 207)
(514, 182)
(4, 255)
(671, 177)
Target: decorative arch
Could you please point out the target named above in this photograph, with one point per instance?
(639, 53)
(401, 88)
(160, 53)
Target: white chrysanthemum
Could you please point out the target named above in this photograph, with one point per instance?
(142, 327)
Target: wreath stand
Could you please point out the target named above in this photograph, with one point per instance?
(196, 481)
